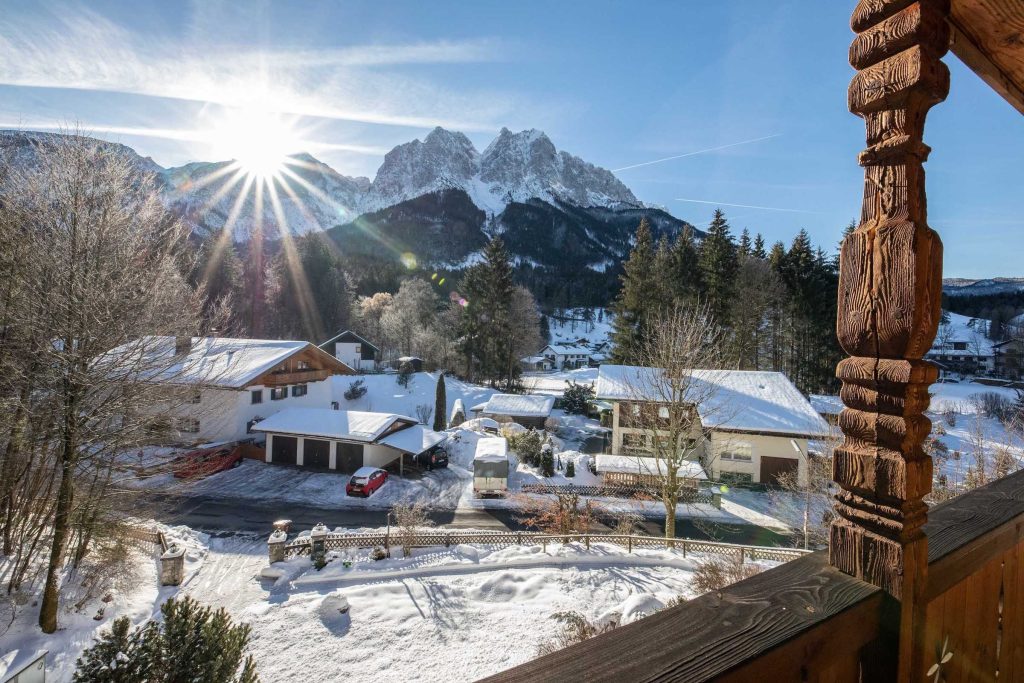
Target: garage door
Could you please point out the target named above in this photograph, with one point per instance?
(316, 453)
(285, 450)
(771, 468)
(350, 456)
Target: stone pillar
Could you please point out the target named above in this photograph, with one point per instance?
(172, 566)
(275, 546)
(270, 448)
(333, 464)
(318, 545)
(300, 451)
(890, 286)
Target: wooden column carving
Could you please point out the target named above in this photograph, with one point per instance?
(890, 285)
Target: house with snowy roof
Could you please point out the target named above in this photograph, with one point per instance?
(962, 345)
(529, 410)
(566, 356)
(753, 426)
(344, 440)
(353, 350)
(237, 382)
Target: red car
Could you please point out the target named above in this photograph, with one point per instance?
(365, 481)
(206, 461)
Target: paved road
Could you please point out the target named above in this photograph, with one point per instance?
(217, 513)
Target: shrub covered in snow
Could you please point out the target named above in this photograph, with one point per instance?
(527, 445)
(570, 469)
(192, 643)
(355, 390)
(576, 398)
(717, 573)
(575, 629)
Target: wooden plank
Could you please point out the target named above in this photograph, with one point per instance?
(988, 36)
(803, 611)
(966, 533)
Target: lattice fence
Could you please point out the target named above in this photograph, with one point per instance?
(620, 491)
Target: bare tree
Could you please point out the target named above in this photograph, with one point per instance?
(409, 519)
(89, 358)
(561, 514)
(673, 400)
(812, 494)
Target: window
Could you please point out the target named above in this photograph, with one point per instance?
(737, 452)
(299, 390)
(188, 425)
(663, 412)
(633, 443)
(303, 365)
(278, 393)
(959, 346)
(257, 396)
(357, 348)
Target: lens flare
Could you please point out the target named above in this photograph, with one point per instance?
(408, 260)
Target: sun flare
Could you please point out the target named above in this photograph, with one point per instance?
(259, 140)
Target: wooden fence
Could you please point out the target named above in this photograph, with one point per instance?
(623, 491)
(150, 536)
(438, 537)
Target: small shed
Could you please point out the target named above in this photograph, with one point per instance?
(490, 466)
(529, 410)
(633, 470)
(415, 362)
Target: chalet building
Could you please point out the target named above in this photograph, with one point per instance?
(354, 351)
(526, 409)
(753, 426)
(962, 346)
(565, 356)
(239, 382)
(344, 440)
(1008, 359)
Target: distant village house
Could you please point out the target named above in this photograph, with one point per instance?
(353, 350)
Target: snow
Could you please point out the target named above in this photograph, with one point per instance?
(555, 383)
(414, 440)
(825, 404)
(572, 328)
(354, 425)
(962, 328)
(740, 400)
(518, 405)
(384, 394)
(637, 465)
(491, 449)
(216, 361)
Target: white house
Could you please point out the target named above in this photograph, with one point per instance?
(343, 440)
(962, 345)
(565, 356)
(754, 425)
(353, 350)
(237, 381)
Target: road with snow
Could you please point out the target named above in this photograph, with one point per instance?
(240, 515)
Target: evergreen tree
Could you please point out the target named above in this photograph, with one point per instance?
(683, 277)
(758, 250)
(718, 265)
(440, 405)
(545, 329)
(635, 303)
(745, 248)
(405, 373)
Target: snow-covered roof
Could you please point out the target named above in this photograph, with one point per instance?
(364, 472)
(413, 440)
(825, 404)
(964, 329)
(737, 400)
(519, 405)
(491, 449)
(567, 350)
(215, 361)
(628, 464)
(352, 425)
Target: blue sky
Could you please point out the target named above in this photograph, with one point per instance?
(617, 83)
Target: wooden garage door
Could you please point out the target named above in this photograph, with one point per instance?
(771, 468)
(285, 450)
(350, 456)
(316, 453)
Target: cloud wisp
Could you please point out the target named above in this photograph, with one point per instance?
(695, 153)
(746, 206)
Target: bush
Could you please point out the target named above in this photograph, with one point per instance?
(355, 390)
(405, 374)
(570, 469)
(547, 463)
(949, 415)
(192, 643)
(991, 404)
(717, 573)
(575, 629)
(576, 398)
(378, 554)
(528, 445)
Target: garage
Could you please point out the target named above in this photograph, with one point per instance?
(772, 468)
(350, 456)
(285, 450)
(316, 453)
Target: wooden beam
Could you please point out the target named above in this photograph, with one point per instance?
(890, 286)
(964, 47)
(988, 36)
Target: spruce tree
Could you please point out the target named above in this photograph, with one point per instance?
(634, 304)
(758, 250)
(745, 248)
(545, 329)
(440, 405)
(683, 278)
(718, 266)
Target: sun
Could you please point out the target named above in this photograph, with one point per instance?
(259, 140)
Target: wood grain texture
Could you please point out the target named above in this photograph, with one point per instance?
(801, 621)
(988, 36)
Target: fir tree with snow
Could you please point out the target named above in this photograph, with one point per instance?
(440, 405)
(633, 306)
(718, 265)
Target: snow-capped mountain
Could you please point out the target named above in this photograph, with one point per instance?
(967, 287)
(515, 167)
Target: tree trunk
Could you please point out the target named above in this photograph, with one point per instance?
(51, 593)
(670, 524)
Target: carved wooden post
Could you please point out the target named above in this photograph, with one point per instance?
(890, 285)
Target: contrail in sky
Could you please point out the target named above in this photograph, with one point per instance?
(700, 151)
(745, 206)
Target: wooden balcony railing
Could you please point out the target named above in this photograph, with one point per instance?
(295, 376)
(807, 621)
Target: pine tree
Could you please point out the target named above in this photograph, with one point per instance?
(718, 266)
(440, 405)
(545, 329)
(634, 304)
(683, 277)
(758, 250)
(745, 247)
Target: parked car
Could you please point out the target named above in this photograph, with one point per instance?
(206, 461)
(434, 458)
(365, 481)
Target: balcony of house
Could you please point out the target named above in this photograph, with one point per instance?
(295, 376)
(808, 621)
